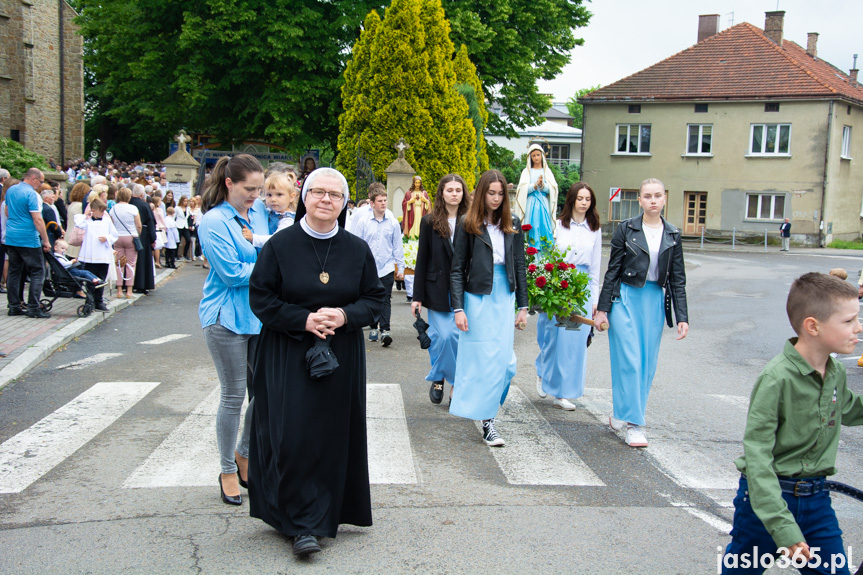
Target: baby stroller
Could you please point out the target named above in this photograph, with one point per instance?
(60, 283)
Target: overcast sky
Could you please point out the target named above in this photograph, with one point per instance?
(625, 36)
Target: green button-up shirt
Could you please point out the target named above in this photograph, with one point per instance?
(793, 429)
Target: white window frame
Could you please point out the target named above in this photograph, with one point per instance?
(630, 127)
(699, 153)
(761, 197)
(846, 143)
(764, 126)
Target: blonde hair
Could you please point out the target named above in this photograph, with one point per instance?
(282, 181)
(839, 273)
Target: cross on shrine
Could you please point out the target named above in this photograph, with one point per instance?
(182, 139)
(401, 146)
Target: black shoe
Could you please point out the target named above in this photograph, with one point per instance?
(230, 499)
(15, 311)
(386, 338)
(305, 545)
(436, 392)
(410, 299)
(38, 314)
(243, 484)
(101, 306)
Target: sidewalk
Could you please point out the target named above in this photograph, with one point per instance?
(27, 341)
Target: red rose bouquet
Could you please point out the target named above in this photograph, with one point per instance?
(555, 287)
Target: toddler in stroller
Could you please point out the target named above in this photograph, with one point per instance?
(66, 279)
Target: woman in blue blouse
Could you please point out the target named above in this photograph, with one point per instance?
(230, 327)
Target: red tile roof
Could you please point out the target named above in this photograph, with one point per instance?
(739, 63)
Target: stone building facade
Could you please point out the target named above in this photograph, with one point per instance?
(42, 77)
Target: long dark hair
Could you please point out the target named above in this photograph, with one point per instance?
(237, 168)
(474, 221)
(592, 215)
(439, 216)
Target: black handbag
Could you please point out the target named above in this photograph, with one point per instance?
(136, 241)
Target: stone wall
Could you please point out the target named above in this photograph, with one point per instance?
(31, 67)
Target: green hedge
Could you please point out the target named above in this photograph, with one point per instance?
(18, 159)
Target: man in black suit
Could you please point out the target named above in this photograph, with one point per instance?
(145, 272)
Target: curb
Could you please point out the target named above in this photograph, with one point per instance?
(51, 343)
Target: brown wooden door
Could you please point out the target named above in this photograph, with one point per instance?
(696, 212)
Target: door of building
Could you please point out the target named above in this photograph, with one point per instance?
(696, 213)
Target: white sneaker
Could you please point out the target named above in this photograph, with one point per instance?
(539, 390)
(616, 424)
(635, 436)
(564, 404)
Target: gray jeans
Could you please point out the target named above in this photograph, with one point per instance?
(232, 355)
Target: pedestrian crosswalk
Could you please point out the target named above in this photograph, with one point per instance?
(535, 454)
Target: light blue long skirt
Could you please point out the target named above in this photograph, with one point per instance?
(562, 358)
(444, 345)
(486, 360)
(634, 335)
(538, 216)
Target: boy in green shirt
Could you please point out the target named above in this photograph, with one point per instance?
(792, 433)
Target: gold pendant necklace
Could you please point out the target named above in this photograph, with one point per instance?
(324, 276)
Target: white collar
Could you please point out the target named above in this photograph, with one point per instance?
(318, 235)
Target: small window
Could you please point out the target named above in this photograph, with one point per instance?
(771, 107)
(765, 206)
(635, 108)
(848, 112)
(770, 139)
(699, 139)
(700, 108)
(15, 135)
(633, 138)
(846, 142)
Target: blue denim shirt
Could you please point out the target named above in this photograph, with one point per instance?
(231, 258)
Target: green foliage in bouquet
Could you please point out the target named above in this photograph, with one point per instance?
(555, 287)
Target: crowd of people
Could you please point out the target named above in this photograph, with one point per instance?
(297, 274)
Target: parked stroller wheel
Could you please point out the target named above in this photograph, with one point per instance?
(82, 311)
(46, 305)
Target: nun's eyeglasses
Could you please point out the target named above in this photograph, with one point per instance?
(318, 193)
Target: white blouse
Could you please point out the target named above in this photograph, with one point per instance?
(585, 249)
(497, 244)
(654, 241)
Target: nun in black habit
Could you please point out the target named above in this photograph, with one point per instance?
(308, 461)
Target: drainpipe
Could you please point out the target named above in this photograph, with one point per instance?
(62, 159)
(824, 181)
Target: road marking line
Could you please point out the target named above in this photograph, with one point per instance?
(677, 459)
(736, 400)
(35, 451)
(710, 519)
(189, 456)
(88, 361)
(166, 339)
(391, 458)
(534, 453)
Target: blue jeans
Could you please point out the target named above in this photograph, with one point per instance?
(233, 354)
(83, 274)
(816, 518)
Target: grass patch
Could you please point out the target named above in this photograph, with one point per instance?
(846, 245)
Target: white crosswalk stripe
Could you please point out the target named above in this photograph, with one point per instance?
(535, 454)
(166, 339)
(391, 458)
(89, 361)
(35, 451)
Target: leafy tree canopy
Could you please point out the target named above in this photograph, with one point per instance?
(576, 110)
(18, 159)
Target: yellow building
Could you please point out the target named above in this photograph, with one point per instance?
(744, 128)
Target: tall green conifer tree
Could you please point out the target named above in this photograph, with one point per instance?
(407, 90)
(470, 86)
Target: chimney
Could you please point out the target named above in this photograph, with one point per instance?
(773, 24)
(853, 75)
(812, 44)
(708, 25)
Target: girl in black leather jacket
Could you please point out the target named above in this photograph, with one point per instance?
(488, 280)
(646, 258)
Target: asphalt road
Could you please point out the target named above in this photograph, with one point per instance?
(565, 495)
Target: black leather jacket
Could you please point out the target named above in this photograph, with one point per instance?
(630, 259)
(473, 264)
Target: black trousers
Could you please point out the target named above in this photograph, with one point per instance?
(187, 235)
(101, 271)
(24, 261)
(387, 282)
